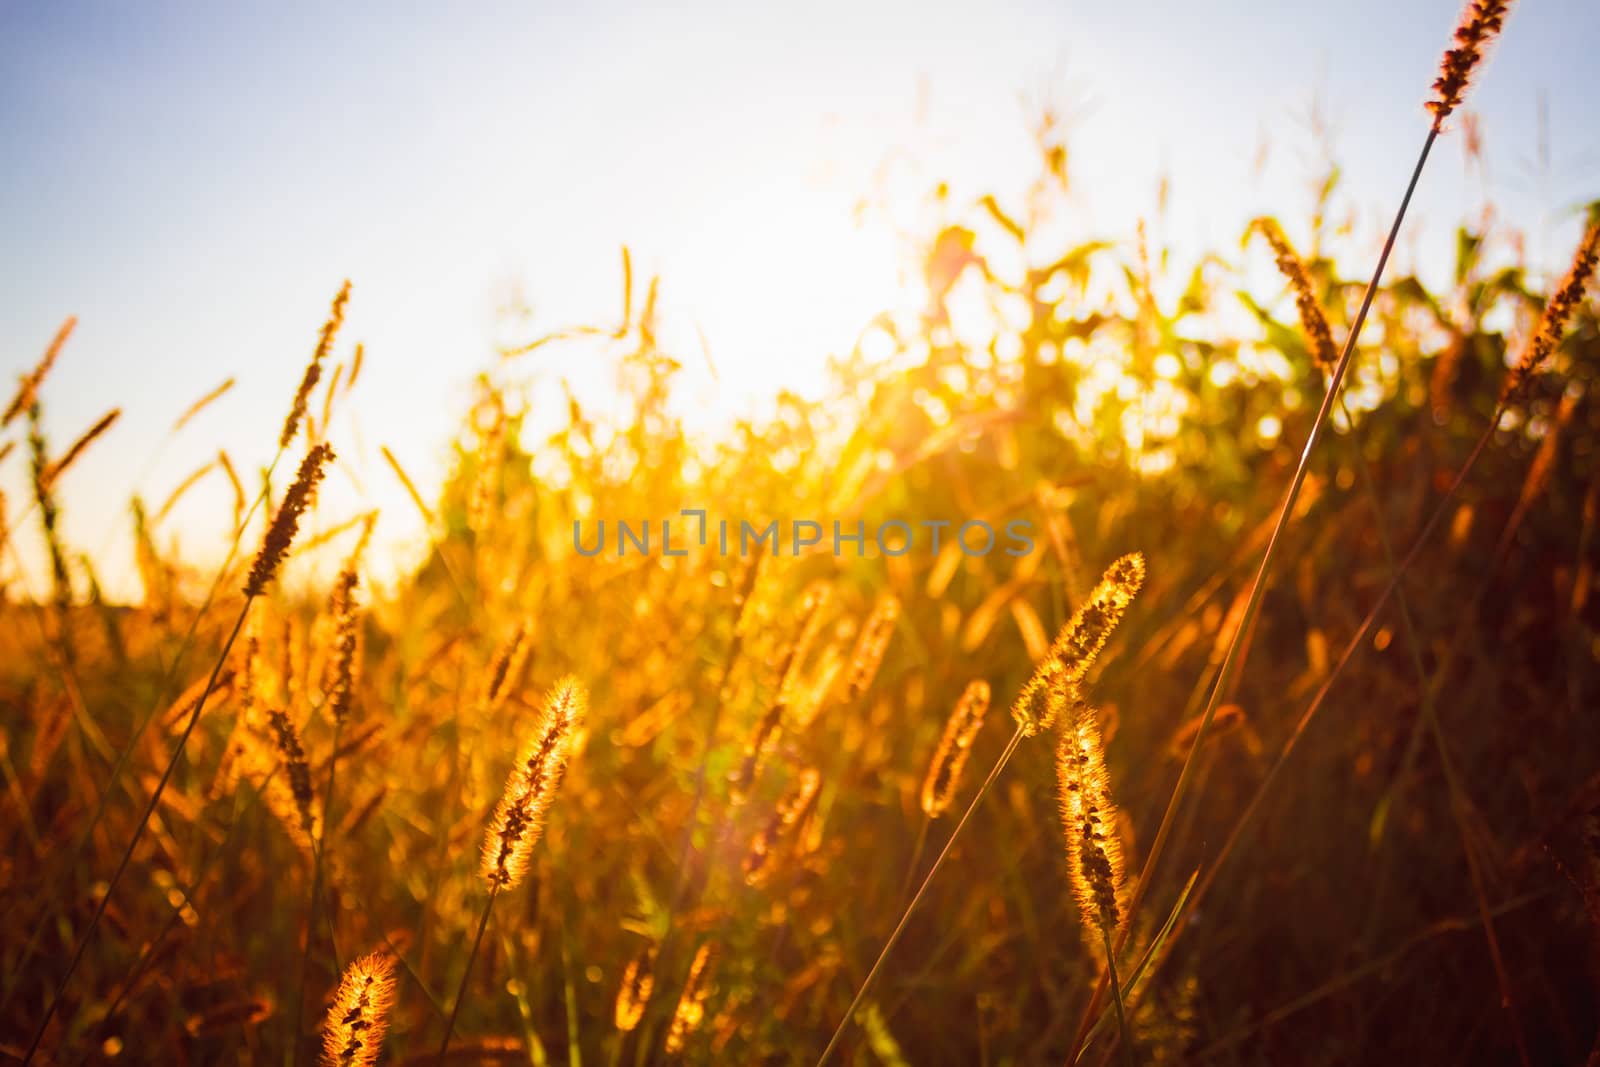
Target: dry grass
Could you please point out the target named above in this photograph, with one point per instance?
(1296, 823)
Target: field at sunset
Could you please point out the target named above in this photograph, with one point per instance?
(1035, 615)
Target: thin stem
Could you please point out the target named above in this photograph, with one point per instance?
(916, 855)
(1459, 803)
(461, 993)
(316, 890)
(1258, 586)
(1306, 717)
(138, 832)
(138, 732)
(1348, 978)
(1125, 1038)
(186, 900)
(905, 916)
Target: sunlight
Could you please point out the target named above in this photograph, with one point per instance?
(780, 279)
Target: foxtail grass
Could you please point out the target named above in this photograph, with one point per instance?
(340, 700)
(200, 405)
(1319, 338)
(292, 753)
(275, 546)
(943, 778)
(1552, 324)
(518, 819)
(313, 371)
(763, 739)
(769, 728)
(785, 820)
(1094, 847)
(78, 447)
(149, 565)
(691, 1009)
(1068, 660)
(505, 669)
(955, 745)
(352, 1035)
(638, 980)
(871, 645)
(28, 388)
(1481, 22)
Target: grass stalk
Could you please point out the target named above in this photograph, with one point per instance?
(321, 845)
(127, 750)
(1263, 572)
(1459, 802)
(466, 975)
(905, 915)
(1362, 634)
(138, 833)
(1124, 1037)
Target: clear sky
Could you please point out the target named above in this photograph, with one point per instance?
(193, 181)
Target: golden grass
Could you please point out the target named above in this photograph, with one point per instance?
(357, 1019)
(726, 876)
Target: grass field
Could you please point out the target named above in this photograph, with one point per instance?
(1244, 711)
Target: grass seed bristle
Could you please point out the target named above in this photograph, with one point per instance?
(633, 995)
(292, 754)
(691, 1009)
(28, 388)
(1094, 851)
(358, 1018)
(871, 645)
(1557, 313)
(275, 546)
(60, 466)
(308, 382)
(1480, 23)
(950, 758)
(1055, 681)
(1319, 338)
(519, 818)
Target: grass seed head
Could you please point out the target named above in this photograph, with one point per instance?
(1319, 338)
(1094, 851)
(359, 1015)
(519, 818)
(960, 730)
(762, 741)
(638, 981)
(292, 754)
(28, 388)
(1055, 682)
(785, 820)
(1558, 312)
(77, 448)
(871, 646)
(506, 668)
(308, 381)
(1480, 23)
(691, 1010)
(286, 523)
(346, 644)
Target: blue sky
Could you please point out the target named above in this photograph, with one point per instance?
(193, 181)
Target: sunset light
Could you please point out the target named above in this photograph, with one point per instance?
(853, 533)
